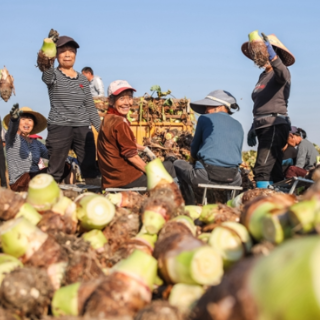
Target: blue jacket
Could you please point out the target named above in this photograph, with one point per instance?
(217, 141)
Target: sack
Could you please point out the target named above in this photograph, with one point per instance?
(220, 174)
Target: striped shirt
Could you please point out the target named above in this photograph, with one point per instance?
(22, 156)
(70, 99)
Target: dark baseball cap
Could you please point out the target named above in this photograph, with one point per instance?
(67, 40)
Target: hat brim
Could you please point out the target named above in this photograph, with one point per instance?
(200, 106)
(41, 121)
(121, 90)
(285, 55)
(70, 42)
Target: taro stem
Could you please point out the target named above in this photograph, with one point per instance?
(96, 239)
(286, 284)
(43, 192)
(231, 240)
(95, 212)
(184, 296)
(303, 215)
(140, 266)
(198, 266)
(157, 174)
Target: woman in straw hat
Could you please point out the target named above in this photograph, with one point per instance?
(271, 124)
(23, 152)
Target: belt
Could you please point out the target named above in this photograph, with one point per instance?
(271, 115)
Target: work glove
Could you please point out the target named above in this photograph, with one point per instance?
(149, 153)
(287, 162)
(54, 35)
(251, 138)
(270, 49)
(15, 112)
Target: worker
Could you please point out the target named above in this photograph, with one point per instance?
(119, 162)
(271, 124)
(23, 152)
(95, 82)
(71, 115)
(307, 154)
(216, 146)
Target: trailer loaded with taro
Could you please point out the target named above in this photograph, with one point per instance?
(132, 256)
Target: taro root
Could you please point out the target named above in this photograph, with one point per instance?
(173, 227)
(217, 213)
(43, 192)
(159, 310)
(27, 291)
(126, 290)
(231, 240)
(184, 296)
(121, 229)
(183, 258)
(12, 205)
(70, 300)
(231, 299)
(82, 261)
(160, 183)
(21, 239)
(8, 315)
(126, 199)
(47, 54)
(6, 84)
(142, 242)
(193, 211)
(52, 222)
(255, 210)
(258, 49)
(7, 264)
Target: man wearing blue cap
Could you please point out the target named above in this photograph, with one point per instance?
(216, 146)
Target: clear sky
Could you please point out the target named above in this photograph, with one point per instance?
(191, 47)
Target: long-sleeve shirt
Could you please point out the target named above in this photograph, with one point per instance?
(70, 100)
(22, 156)
(116, 143)
(217, 141)
(96, 87)
(306, 155)
(271, 95)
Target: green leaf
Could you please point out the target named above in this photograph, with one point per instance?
(155, 88)
(168, 102)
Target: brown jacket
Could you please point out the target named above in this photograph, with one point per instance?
(116, 143)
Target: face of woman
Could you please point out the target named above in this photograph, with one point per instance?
(66, 56)
(294, 140)
(26, 125)
(123, 102)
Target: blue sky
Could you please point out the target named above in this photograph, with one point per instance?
(189, 47)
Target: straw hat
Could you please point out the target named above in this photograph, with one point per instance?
(281, 50)
(41, 121)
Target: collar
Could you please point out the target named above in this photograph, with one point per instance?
(111, 110)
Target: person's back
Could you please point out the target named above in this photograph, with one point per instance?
(306, 155)
(219, 142)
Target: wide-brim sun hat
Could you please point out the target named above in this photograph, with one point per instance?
(281, 50)
(40, 124)
(214, 99)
